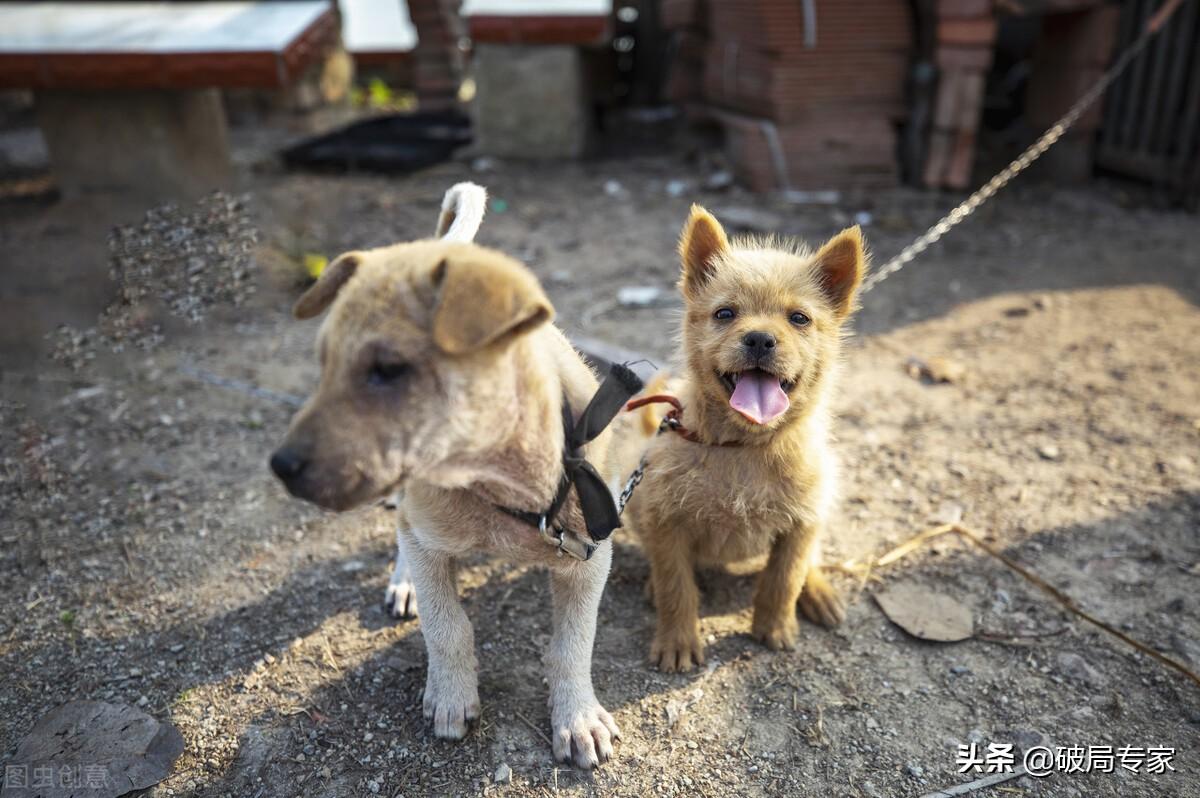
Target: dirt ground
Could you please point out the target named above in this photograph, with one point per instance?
(149, 557)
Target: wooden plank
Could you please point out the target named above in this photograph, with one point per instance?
(1114, 103)
(1152, 116)
(1135, 106)
(156, 57)
(579, 30)
(1185, 34)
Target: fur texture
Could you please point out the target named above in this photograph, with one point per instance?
(774, 311)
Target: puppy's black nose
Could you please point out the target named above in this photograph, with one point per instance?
(758, 343)
(287, 464)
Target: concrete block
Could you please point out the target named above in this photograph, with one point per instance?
(530, 101)
(162, 144)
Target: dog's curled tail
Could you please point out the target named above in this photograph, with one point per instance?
(462, 212)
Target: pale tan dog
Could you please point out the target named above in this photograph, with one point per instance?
(441, 376)
(754, 473)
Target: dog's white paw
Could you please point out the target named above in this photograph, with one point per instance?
(583, 733)
(451, 701)
(400, 599)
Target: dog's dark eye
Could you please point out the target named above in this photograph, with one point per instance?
(799, 319)
(724, 314)
(387, 373)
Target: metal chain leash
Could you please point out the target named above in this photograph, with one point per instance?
(634, 480)
(1025, 159)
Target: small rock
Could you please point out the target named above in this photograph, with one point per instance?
(718, 180)
(613, 188)
(960, 670)
(935, 370)
(143, 701)
(373, 787)
(1049, 452)
(503, 774)
(915, 770)
(748, 220)
(948, 513)
(677, 188)
(1078, 669)
(175, 649)
(639, 296)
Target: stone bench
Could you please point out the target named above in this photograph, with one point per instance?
(127, 94)
(531, 97)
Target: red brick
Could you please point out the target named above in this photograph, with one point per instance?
(675, 14)
(959, 100)
(977, 58)
(1052, 92)
(967, 31)
(937, 158)
(962, 160)
(964, 8)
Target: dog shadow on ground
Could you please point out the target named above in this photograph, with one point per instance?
(1135, 557)
(337, 684)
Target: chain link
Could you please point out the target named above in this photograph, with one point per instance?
(635, 479)
(1022, 162)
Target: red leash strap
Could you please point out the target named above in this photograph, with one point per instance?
(674, 417)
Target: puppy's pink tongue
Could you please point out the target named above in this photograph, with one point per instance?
(759, 397)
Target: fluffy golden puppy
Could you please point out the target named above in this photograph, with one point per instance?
(754, 473)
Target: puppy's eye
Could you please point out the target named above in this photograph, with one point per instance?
(387, 373)
(799, 319)
(724, 314)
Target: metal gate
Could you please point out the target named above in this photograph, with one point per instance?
(1151, 125)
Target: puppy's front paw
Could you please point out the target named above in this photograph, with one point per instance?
(676, 650)
(584, 733)
(778, 631)
(451, 702)
(820, 601)
(400, 600)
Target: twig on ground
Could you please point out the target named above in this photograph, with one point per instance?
(240, 385)
(978, 784)
(1068, 603)
(535, 729)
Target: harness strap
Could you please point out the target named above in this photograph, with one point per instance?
(596, 503)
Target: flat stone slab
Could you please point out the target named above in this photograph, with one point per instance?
(91, 749)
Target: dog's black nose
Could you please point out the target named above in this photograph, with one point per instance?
(758, 343)
(287, 464)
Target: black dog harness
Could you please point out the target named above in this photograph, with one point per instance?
(600, 512)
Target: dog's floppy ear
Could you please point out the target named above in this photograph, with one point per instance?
(702, 242)
(325, 289)
(484, 298)
(840, 264)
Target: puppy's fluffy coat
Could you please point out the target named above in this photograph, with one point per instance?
(442, 376)
(762, 332)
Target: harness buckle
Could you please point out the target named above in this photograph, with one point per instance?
(565, 542)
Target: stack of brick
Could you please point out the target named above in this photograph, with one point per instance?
(802, 108)
(686, 23)
(1074, 50)
(966, 33)
(437, 60)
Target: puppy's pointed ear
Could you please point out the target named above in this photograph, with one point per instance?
(485, 298)
(325, 289)
(703, 241)
(840, 265)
